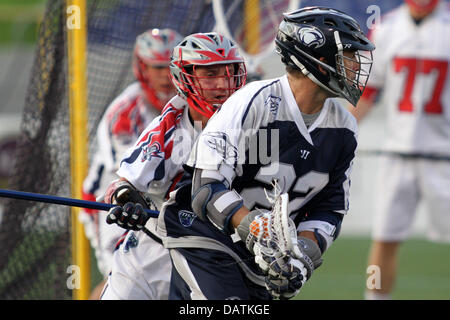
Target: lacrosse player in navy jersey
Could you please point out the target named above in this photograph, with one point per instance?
(282, 133)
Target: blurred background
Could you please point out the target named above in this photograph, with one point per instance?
(18, 34)
(424, 271)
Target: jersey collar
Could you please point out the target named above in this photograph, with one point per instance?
(294, 111)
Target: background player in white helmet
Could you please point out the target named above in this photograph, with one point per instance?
(310, 142)
(123, 121)
(411, 76)
(206, 68)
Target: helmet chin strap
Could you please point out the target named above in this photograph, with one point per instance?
(340, 50)
(309, 74)
(195, 104)
(152, 96)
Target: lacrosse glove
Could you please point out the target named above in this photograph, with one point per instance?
(289, 271)
(130, 213)
(285, 271)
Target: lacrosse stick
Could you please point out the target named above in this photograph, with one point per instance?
(282, 231)
(277, 252)
(37, 197)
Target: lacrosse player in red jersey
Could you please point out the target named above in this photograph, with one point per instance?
(123, 121)
(206, 68)
(222, 232)
(411, 74)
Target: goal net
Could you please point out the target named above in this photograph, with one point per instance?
(35, 238)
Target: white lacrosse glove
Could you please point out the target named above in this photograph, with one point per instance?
(272, 237)
(285, 272)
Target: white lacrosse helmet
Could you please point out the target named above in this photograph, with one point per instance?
(153, 48)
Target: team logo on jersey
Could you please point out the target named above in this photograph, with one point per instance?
(186, 218)
(304, 154)
(273, 102)
(151, 151)
(132, 242)
(311, 37)
(219, 141)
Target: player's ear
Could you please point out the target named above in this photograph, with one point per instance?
(321, 69)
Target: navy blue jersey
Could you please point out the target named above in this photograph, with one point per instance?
(259, 135)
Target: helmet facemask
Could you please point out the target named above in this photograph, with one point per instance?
(207, 99)
(207, 69)
(352, 73)
(317, 41)
(158, 97)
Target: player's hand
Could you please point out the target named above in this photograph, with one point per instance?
(287, 272)
(130, 216)
(120, 192)
(254, 227)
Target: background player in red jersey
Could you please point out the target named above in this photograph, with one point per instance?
(410, 78)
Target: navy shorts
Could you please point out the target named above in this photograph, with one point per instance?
(208, 263)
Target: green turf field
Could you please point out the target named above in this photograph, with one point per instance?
(423, 272)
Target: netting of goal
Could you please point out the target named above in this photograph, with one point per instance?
(35, 237)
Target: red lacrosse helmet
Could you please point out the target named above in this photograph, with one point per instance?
(206, 49)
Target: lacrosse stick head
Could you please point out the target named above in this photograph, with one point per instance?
(282, 228)
(274, 235)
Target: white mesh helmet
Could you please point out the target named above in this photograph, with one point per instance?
(153, 48)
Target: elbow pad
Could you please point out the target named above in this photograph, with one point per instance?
(215, 203)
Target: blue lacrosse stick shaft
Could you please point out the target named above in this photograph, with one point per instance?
(63, 201)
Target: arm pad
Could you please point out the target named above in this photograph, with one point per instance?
(212, 201)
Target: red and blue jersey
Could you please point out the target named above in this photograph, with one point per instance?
(155, 161)
(123, 121)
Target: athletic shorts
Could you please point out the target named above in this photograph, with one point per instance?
(103, 238)
(400, 185)
(207, 264)
(141, 269)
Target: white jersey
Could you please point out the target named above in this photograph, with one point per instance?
(122, 123)
(120, 126)
(155, 163)
(312, 164)
(141, 267)
(411, 66)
